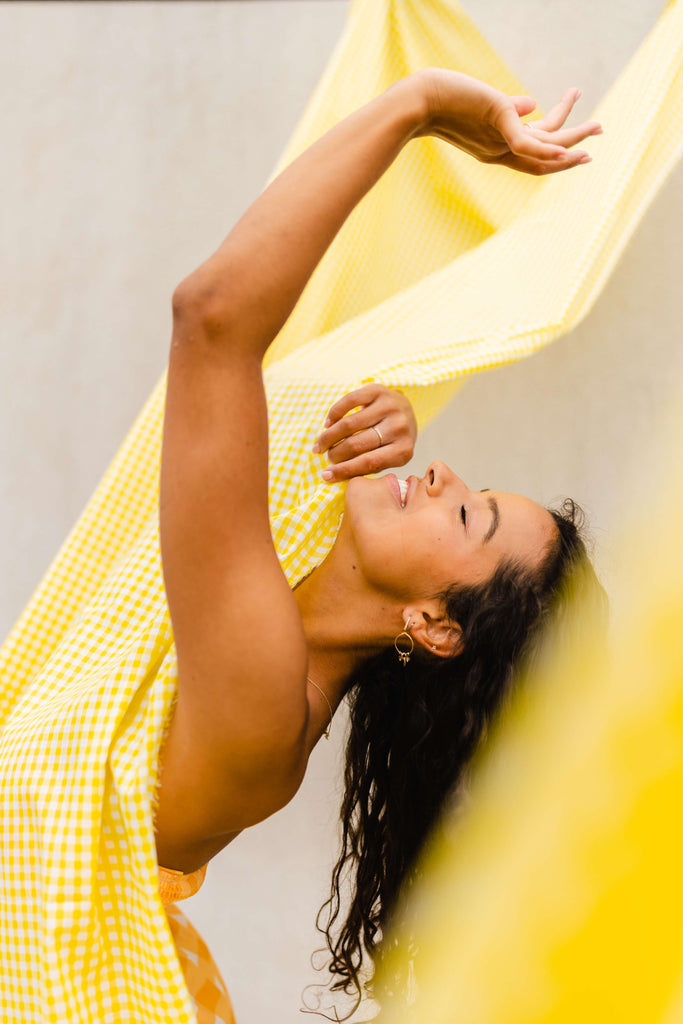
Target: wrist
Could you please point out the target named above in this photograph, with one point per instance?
(411, 95)
(425, 87)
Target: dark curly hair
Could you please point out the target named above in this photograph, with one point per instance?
(413, 732)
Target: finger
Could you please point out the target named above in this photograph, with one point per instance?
(353, 422)
(566, 136)
(524, 105)
(357, 444)
(558, 114)
(397, 447)
(571, 158)
(349, 401)
(524, 142)
(371, 462)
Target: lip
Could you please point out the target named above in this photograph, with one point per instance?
(412, 482)
(392, 481)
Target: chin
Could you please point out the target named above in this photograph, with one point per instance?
(359, 499)
(355, 488)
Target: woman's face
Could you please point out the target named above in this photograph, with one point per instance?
(419, 540)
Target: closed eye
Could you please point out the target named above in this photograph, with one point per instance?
(463, 516)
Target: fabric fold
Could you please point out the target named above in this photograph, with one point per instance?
(446, 268)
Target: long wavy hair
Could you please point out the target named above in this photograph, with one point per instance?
(413, 732)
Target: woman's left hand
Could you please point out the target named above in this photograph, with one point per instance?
(486, 123)
(379, 434)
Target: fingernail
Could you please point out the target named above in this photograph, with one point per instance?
(326, 474)
(328, 422)
(585, 159)
(579, 94)
(316, 449)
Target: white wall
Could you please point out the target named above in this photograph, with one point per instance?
(133, 135)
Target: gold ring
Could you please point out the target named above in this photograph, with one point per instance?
(381, 440)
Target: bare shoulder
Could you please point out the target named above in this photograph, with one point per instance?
(208, 794)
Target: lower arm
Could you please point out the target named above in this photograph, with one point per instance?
(255, 278)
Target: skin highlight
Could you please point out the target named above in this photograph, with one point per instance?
(246, 718)
(390, 564)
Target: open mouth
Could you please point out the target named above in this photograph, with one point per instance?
(403, 488)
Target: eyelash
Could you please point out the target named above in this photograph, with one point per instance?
(463, 516)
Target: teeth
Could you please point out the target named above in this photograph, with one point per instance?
(403, 487)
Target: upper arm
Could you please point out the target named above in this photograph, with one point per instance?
(239, 638)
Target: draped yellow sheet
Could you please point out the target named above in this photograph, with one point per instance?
(405, 295)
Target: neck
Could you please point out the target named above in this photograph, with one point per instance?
(344, 621)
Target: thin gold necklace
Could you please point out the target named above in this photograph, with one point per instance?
(326, 732)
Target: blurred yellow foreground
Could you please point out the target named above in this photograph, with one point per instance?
(559, 898)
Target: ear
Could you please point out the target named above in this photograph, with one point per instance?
(433, 631)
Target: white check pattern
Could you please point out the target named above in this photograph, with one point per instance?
(446, 269)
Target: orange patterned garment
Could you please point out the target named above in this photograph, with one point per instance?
(204, 983)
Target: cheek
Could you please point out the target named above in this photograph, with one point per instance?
(444, 557)
(436, 536)
(428, 548)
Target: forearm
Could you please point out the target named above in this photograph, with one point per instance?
(248, 288)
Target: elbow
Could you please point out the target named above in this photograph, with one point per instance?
(198, 303)
(189, 299)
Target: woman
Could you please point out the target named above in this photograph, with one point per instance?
(449, 580)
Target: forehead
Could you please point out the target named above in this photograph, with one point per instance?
(526, 530)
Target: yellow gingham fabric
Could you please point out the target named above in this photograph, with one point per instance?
(207, 989)
(209, 996)
(447, 268)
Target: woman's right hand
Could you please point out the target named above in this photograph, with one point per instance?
(486, 123)
(367, 430)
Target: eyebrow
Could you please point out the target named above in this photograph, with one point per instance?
(493, 505)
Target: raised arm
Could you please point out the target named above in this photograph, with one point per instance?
(241, 732)
(268, 257)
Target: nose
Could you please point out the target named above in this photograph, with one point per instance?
(439, 476)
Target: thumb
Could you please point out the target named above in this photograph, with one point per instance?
(523, 105)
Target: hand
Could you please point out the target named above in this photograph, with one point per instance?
(380, 434)
(487, 124)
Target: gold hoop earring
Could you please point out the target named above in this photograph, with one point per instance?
(401, 643)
